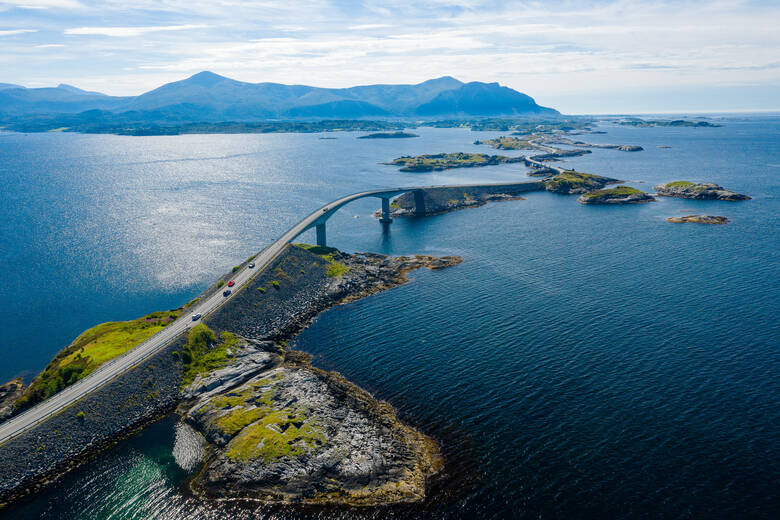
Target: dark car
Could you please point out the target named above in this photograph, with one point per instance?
(231, 283)
(226, 293)
(196, 317)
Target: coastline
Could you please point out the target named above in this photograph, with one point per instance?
(23, 473)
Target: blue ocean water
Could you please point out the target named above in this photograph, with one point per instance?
(582, 362)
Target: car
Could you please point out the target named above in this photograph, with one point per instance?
(226, 293)
(196, 317)
(231, 283)
(251, 265)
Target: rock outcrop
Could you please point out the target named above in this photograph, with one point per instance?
(295, 433)
(619, 195)
(9, 393)
(701, 191)
(571, 182)
(698, 219)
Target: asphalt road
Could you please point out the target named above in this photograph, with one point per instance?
(108, 371)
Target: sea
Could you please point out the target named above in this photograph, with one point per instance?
(582, 362)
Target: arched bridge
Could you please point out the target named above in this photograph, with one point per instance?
(318, 219)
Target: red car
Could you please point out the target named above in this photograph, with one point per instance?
(231, 283)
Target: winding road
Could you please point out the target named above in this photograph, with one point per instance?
(108, 371)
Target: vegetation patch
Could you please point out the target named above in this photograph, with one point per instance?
(91, 349)
(679, 184)
(279, 433)
(613, 193)
(202, 354)
(571, 180)
(334, 269)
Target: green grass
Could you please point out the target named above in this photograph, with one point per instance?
(278, 434)
(91, 349)
(334, 268)
(612, 193)
(678, 184)
(569, 180)
(198, 358)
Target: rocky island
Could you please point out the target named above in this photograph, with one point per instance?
(701, 191)
(445, 161)
(619, 195)
(570, 182)
(389, 135)
(698, 219)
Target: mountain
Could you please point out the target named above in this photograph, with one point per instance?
(481, 99)
(209, 97)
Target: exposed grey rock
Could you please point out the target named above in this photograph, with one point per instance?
(9, 393)
(702, 191)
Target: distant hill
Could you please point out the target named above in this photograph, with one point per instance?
(209, 97)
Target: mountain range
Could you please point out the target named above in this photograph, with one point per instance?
(209, 97)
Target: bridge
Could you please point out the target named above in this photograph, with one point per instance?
(111, 369)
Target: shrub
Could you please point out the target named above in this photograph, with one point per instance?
(220, 283)
(236, 268)
(275, 284)
(81, 416)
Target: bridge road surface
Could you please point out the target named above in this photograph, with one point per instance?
(111, 369)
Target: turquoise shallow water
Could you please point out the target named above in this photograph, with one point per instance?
(582, 362)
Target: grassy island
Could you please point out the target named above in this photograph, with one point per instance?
(618, 195)
(91, 349)
(445, 161)
(571, 181)
(509, 143)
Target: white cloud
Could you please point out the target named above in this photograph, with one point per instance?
(44, 4)
(16, 31)
(369, 26)
(124, 32)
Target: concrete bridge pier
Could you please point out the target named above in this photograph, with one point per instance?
(385, 219)
(321, 239)
(419, 202)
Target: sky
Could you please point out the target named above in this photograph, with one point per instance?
(588, 56)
